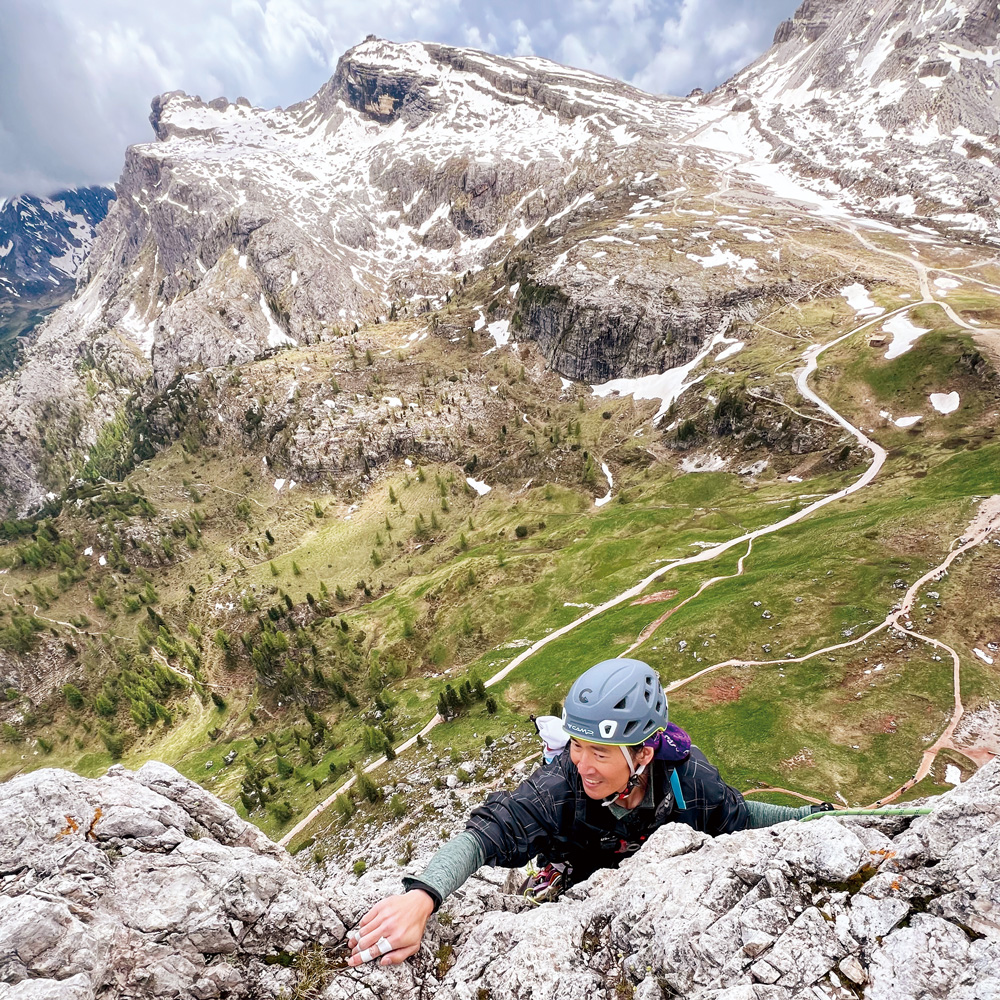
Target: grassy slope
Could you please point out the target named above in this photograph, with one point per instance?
(463, 600)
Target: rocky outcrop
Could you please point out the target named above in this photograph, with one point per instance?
(143, 885)
(886, 909)
(893, 83)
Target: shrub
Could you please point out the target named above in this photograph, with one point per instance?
(367, 787)
(360, 867)
(73, 696)
(521, 531)
(115, 742)
(282, 811)
(103, 705)
(397, 806)
(686, 431)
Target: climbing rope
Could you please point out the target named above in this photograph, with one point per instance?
(884, 811)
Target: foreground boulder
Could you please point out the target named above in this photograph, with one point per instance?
(142, 884)
(888, 909)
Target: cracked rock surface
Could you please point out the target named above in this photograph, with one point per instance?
(145, 885)
(142, 884)
(885, 908)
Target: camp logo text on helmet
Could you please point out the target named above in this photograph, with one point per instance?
(619, 702)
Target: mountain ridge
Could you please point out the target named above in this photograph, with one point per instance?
(43, 243)
(374, 197)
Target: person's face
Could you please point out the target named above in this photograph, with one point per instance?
(602, 768)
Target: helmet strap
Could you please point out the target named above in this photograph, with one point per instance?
(634, 777)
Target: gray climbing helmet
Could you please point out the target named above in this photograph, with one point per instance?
(618, 702)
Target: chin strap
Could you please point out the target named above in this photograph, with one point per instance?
(635, 775)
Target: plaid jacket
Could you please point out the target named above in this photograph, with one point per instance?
(550, 814)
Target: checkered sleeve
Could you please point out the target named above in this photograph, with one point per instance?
(712, 805)
(514, 826)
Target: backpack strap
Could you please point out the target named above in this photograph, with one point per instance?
(675, 787)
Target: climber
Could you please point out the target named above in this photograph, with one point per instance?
(628, 771)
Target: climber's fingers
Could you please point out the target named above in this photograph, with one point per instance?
(369, 948)
(399, 955)
(392, 930)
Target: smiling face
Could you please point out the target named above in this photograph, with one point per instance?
(603, 768)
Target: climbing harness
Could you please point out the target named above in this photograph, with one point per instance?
(545, 884)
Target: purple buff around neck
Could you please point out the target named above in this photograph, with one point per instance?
(671, 744)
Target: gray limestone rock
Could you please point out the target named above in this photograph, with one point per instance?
(782, 912)
(142, 885)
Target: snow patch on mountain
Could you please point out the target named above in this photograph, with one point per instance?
(904, 335)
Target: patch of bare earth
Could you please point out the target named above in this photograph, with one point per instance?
(660, 595)
(724, 689)
(803, 758)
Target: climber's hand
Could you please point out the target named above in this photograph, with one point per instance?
(398, 922)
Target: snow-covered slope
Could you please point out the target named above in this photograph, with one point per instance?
(43, 241)
(632, 228)
(888, 106)
(413, 164)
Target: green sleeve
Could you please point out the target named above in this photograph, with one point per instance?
(765, 814)
(453, 863)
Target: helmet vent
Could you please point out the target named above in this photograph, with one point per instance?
(620, 705)
(629, 728)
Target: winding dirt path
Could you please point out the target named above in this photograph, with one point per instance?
(811, 358)
(648, 631)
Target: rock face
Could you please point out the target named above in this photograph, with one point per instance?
(143, 885)
(241, 231)
(892, 105)
(888, 909)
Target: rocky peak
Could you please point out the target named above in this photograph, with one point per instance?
(910, 90)
(385, 82)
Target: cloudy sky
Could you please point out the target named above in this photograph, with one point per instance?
(77, 76)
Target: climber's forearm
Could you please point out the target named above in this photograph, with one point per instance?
(766, 814)
(450, 867)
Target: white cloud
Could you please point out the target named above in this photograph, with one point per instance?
(523, 46)
(475, 40)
